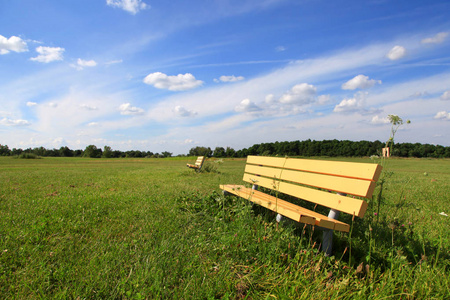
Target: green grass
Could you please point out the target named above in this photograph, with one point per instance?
(82, 228)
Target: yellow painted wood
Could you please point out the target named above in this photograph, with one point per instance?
(352, 186)
(345, 204)
(285, 208)
(310, 180)
(198, 163)
(366, 171)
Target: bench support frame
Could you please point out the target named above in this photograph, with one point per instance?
(327, 237)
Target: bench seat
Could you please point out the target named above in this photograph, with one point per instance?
(285, 208)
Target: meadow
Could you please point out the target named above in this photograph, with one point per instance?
(81, 228)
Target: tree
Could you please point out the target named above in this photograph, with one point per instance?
(65, 151)
(166, 154)
(200, 151)
(229, 152)
(4, 150)
(219, 152)
(107, 152)
(92, 151)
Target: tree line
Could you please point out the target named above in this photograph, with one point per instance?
(331, 148)
(90, 151)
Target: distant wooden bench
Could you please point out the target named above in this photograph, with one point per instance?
(311, 180)
(198, 164)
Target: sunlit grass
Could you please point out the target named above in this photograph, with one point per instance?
(152, 228)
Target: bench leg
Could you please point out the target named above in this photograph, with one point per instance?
(327, 238)
(279, 218)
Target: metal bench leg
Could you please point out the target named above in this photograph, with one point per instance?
(327, 239)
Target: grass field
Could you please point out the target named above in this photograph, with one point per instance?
(79, 228)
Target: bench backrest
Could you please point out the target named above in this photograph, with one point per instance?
(313, 180)
(200, 161)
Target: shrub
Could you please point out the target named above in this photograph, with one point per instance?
(28, 156)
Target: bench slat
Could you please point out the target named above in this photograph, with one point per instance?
(367, 171)
(357, 187)
(286, 208)
(345, 204)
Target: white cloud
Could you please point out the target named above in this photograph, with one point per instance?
(183, 112)
(442, 115)
(93, 124)
(360, 82)
(127, 109)
(4, 113)
(378, 120)
(131, 6)
(280, 49)
(48, 54)
(302, 93)
(231, 78)
(17, 122)
(53, 104)
(356, 104)
(112, 62)
(14, 43)
(419, 95)
(437, 39)
(445, 95)
(86, 63)
(347, 105)
(247, 106)
(323, 99)
(173, 83)
(270, 98)
(29, 103)
(88, 107)
(396, 53)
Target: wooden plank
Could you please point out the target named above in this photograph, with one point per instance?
(285, 208)
(319, 219)
(345, 204)
(199, 161)
(367, 171)
(352, 186)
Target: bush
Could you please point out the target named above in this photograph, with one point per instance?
(28, 156)
(211, 167)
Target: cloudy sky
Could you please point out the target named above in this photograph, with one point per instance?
(171, 75)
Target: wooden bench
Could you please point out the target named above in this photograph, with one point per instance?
(198, 164)
(340, 186)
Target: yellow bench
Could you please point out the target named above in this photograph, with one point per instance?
(198, 164)
(311, 180)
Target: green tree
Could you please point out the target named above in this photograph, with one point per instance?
(4, 150)
(166, 154)
(65, 152)
(107, 152)
(200, 151)
(230, 152)
(92, 151)
(219, 152)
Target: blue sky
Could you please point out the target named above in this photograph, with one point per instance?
(171, 75)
